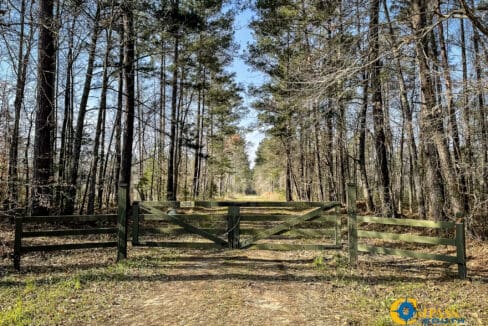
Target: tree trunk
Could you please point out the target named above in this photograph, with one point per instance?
(43, 156)
(128, 134)
(80, 124)
(170, 190)
(23, 60)
(97, 141)
(431, 122)
(362, 147)
(378, 114)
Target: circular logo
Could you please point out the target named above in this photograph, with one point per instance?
(404, 311)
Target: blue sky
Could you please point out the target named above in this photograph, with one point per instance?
(246, 76)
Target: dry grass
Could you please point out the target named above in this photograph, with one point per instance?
(190, 287)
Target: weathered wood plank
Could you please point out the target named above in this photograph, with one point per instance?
(190, 228)
(57, 233)
(287, 247)
(192, 217)
(406, 237)
(69, 218)
(176, 231)
(461, 250)
(70, 246)
(283, 227)
(406, 253)
(233, 227)
(135, 223)
(352, 224)
(171, 244)
(17, 242)
(405, 222)
(295, 204)
(122, 223)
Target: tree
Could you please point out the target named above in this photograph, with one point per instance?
(44, 126)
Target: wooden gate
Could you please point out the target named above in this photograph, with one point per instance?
(238, 225)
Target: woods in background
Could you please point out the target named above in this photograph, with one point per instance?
(388, 94)
(100, 93)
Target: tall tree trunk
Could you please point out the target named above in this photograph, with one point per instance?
(451, 112)
(23, 60)
(80, 124)
(64, 154)
(43, 156)
(362, 147)
(408, 115)
(128, 134)
(378, 114)
(466, 113)
(483, 124)
(162, 120)
(97, 141)
(431, 121)
(118, 119)
(170, 186)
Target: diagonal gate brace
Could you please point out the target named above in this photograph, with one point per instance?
(283, 227)
(186, 226)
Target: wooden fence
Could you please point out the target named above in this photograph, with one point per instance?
(20, 233)
(355, 234)
(236, 228)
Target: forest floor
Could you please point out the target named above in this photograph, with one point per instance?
(157, 286)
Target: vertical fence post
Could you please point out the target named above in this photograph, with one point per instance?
(352, 224)
(233, 226)
(337, 226)
(18, 242)
(461, 248)
(122, 223)
(135, 223)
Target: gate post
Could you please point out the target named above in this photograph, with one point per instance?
(135, 223)
(17, 242)
(234, 227)
(352, 224)
(461, 248)
(122, 223)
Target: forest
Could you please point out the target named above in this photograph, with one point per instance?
(390, 95)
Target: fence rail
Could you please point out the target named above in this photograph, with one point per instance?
(237, 228)
(458, 229)
(20, 234)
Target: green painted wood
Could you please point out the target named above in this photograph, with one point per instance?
(233, 227)
(122, 223)
(461, 249)
(70, 246)
(176, 231)
(188, 245)
(352, 224)
(283, 227)
(406, 253)
(337, 225)
(281, 217)
(185, 217)
(405, 222)
(70, 218)
(135, 223)
(17, 242)
(58, 233)
(289, 247)
(188, 227)
(327, 205)
(406, 237)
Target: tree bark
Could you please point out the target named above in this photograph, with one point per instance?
(43, 155)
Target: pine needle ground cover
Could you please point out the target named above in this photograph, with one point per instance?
(192, 287)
